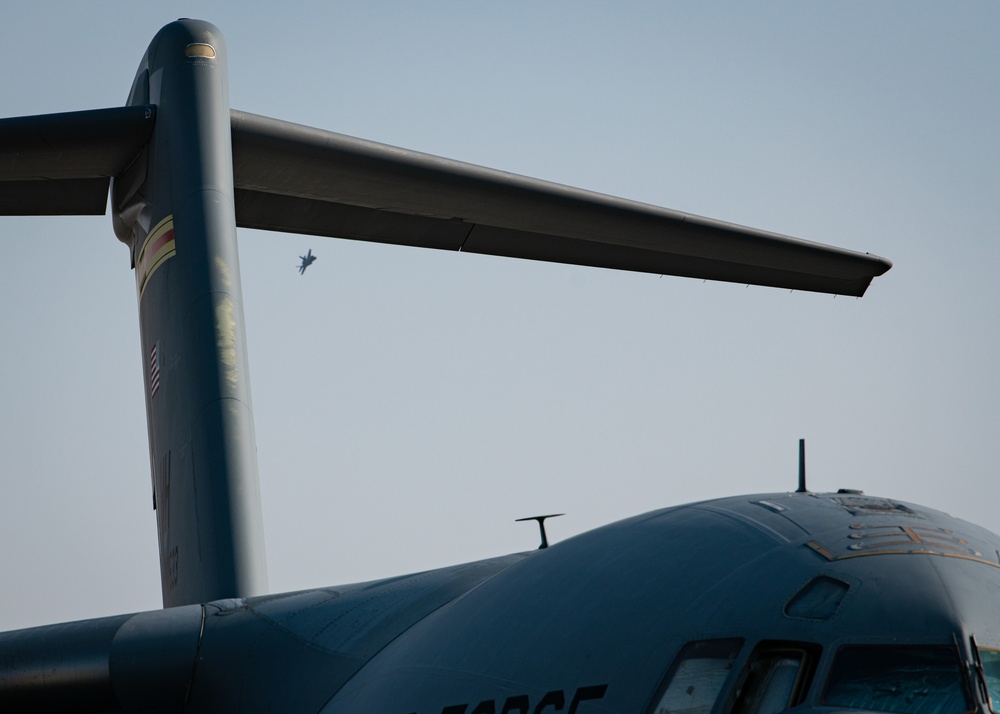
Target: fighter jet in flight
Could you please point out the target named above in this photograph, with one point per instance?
(307, 260)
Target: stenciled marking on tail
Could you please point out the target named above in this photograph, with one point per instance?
(156, 249)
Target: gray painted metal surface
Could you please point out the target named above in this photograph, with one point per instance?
(597, 619)
(62, 164)
(298, 179)
(175, 211)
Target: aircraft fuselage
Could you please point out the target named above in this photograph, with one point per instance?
(743, 605)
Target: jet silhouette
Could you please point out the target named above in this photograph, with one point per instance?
(307, 260)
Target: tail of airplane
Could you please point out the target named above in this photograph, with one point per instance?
(174, 208)
(187, 170)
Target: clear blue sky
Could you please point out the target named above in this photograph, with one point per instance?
(411, 404)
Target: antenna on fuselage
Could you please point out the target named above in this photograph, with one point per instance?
(541, 525)
(802, 467)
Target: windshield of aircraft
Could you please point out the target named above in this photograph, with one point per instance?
(697, 677)
(990, 658)
(898, 679)
(776, 677)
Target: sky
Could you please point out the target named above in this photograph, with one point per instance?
(411, 404)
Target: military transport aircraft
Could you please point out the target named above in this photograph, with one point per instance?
(749, 604)
(307, 260)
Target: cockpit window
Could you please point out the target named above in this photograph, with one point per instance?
(990, 659)
(775, 678)
(697, 677)
(902, 680)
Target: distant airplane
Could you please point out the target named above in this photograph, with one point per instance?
(821, 602)
(307, 260)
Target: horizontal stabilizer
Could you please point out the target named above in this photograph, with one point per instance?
(297, 179)
(61, 164)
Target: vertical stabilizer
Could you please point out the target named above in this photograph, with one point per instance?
(174, 207)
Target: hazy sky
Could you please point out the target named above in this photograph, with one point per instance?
(410, 404)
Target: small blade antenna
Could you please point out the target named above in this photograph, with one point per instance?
(802, 467)
(541, 526)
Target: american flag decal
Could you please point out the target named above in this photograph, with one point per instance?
(154, 370)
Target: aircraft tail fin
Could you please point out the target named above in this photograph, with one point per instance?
(172, 204)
